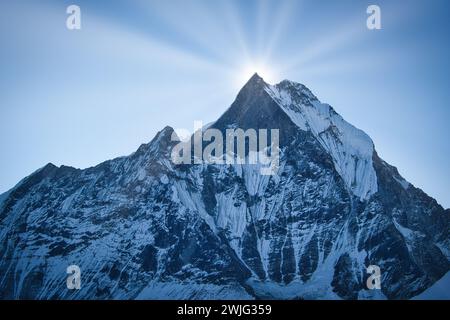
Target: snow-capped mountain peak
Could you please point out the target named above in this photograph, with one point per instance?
(142, 227)
(350, 148)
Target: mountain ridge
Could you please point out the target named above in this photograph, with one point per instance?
(142, 227)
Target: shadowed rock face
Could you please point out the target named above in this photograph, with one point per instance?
(142, 227)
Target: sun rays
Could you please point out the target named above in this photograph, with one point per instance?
(238, 42)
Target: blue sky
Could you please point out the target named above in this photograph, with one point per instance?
(81, 97)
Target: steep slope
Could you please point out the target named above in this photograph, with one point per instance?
(142, 227)
(350, 148)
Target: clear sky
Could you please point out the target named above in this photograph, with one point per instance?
(81, 97)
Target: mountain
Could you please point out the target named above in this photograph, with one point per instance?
(438, 291)
(142, 227)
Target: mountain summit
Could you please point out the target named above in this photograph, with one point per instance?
(141, 227)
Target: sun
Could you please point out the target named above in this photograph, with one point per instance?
(262, 70)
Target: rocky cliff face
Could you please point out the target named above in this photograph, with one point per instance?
(142, 227)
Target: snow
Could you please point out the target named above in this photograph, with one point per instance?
(164, 179)
(438, 291)
(231, 217)
(407, 233)
(121, 238)
(192, 201)
(371, 295)
(194, 291)
(141, 174)
(317, 289)
(67, 203)
(255, 182)
(350, 148)
(405, 184)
